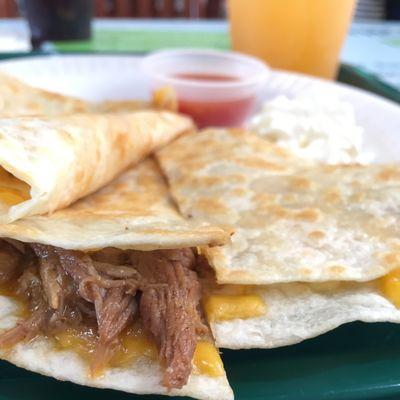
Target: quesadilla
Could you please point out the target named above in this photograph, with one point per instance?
(303, 235)
(20, 99)
(269, 316)
(104, 293)
(47, 163)
(293, 222)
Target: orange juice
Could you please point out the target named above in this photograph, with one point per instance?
(298, 35)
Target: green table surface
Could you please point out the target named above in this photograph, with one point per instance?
(355, 361)
(144, 40)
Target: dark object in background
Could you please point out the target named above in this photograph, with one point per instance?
(58, 20)
(159, 8)
(393, 10)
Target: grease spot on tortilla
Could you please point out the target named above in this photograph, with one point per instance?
(392, 259)
(316, 235)
(337, 269)
(263, 198)
(239, 192)
(305, 271)
(309, 214)
(210, 205)
(333, 195)
(256, 162)
(300, 183)
(389, 174)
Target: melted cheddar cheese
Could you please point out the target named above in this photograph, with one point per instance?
(390, 286)
(81, 341)
(11, 197)
(135, 344)
(12, 190)
(226, 307)
(206, 360)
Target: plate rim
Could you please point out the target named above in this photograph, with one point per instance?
(6, 65)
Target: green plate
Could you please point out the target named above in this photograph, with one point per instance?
(356, 361)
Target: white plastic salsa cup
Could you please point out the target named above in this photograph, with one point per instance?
(216, 88)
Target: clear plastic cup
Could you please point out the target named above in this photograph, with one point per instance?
(216, 88)
(297, 35)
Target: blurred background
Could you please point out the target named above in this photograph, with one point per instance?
(369, 49)
(366, 9)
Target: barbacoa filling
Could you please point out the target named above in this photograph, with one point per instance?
(109, 289)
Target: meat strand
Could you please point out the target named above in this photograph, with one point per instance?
(10, 262)
(113, 300)
(115, 315)
(30, 287)
(116, 271)
(170, 312)
(48, 262)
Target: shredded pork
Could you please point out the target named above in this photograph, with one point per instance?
(169, 308)
(65, 288)
(10, 261)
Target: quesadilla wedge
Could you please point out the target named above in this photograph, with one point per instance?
(319, 228)
(293, 222)
(104, 293)
(284, 314)
(47, 163)
(20, 99)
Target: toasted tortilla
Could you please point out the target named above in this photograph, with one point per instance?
(299, 311)
(18, 98)
(46, 163)
(135, 212)
(293, 222)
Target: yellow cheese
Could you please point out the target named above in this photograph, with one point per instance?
(135, 345)
(207, 361)
(11, 197)
(225, 307)
(165, 98)
(390, 286)
(80, 341)
(12, 190)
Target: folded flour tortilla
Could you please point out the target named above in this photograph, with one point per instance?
(18, 98)
(47, 163)
(133, 212)
(298, 311)
(293, 222)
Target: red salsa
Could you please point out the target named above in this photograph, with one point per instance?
(207, 77)
(215, 112)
